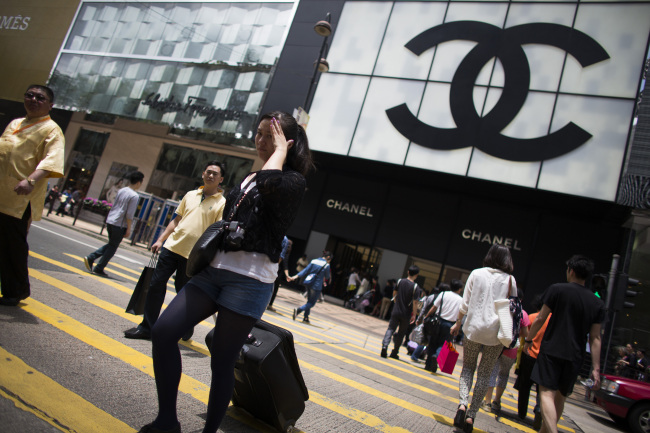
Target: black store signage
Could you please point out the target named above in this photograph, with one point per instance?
(481, 224)
(350, 209)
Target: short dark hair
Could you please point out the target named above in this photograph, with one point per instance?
(582, 266)
(444, 287)
(327, 254)
(498, 257)
(413, 270)
(47, 90)
(221, 166)
(456, 285)
(136, 177)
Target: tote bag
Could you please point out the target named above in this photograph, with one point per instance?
(139, 296)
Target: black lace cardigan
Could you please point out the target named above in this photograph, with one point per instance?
(268, 210)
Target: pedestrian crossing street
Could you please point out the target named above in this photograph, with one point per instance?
(350, 386)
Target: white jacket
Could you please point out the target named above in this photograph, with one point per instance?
(483, 287)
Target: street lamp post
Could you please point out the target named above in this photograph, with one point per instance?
(323, 28)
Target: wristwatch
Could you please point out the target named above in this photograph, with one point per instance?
(30, 181)
(528, 341)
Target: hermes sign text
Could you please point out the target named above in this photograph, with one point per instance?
(17, 22)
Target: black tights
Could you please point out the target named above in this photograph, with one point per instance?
(188, 308)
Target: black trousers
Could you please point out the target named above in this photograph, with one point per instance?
(14, 251)
(168, 263)
(276, 284)
(526, 364)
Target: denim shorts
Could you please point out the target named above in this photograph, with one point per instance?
(238, 293)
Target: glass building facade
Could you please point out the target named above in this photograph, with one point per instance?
(200, 67)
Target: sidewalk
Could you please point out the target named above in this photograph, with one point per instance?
(93, 230)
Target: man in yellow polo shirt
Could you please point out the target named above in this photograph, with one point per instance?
(31, 150)
(198, 209)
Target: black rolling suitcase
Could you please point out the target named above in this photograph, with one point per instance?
(268, 381)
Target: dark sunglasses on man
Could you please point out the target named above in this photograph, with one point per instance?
(39, 98)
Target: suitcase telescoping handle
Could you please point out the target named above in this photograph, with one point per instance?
(253, 341)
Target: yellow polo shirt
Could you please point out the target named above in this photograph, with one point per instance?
(196, 216)
(27, 145)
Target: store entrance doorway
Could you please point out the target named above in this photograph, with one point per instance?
(347, 255)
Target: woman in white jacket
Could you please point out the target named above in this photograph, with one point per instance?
(484, 286)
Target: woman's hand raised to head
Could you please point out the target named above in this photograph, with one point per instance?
(280, 142)
(272, 145)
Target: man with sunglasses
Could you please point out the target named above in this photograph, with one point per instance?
(198, 209)
(31, 150)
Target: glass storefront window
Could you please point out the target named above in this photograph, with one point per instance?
(179, 170)
(85, 156)
(201, 68)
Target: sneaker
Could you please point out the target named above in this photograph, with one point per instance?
(496, 406)
(486, 406)
(270, 308)
(384, 352)
(305, 320)
(100, 272)
(394, 355)
(89, 264)
(295, 313)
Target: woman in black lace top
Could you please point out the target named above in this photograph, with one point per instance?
(239, 281)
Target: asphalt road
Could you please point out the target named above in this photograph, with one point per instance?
(66, 366)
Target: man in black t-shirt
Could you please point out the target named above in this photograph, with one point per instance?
(405, 294)
(577, 313)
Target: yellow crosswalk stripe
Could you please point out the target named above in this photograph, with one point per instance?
(36, 393)
(117, 265)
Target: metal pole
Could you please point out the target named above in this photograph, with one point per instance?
(610, 281)
(608, 305)
(313, 78)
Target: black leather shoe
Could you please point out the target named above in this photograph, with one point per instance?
(188, 334)
(394, 355)
(100, 272)
(137, 334)
(9, 302)
(149, 428)
(384, 352)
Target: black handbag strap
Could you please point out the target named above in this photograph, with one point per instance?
(442, 300)
(321, 268)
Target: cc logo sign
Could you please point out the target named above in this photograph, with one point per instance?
(485, 132)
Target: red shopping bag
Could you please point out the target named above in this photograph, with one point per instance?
(447, 358)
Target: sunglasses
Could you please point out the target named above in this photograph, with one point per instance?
(39, 98)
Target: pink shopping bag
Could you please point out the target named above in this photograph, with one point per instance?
(447, 358)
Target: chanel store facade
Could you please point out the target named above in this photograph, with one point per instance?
(445, 126)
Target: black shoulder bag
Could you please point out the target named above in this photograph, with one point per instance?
(206, 247)
(432, 324)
